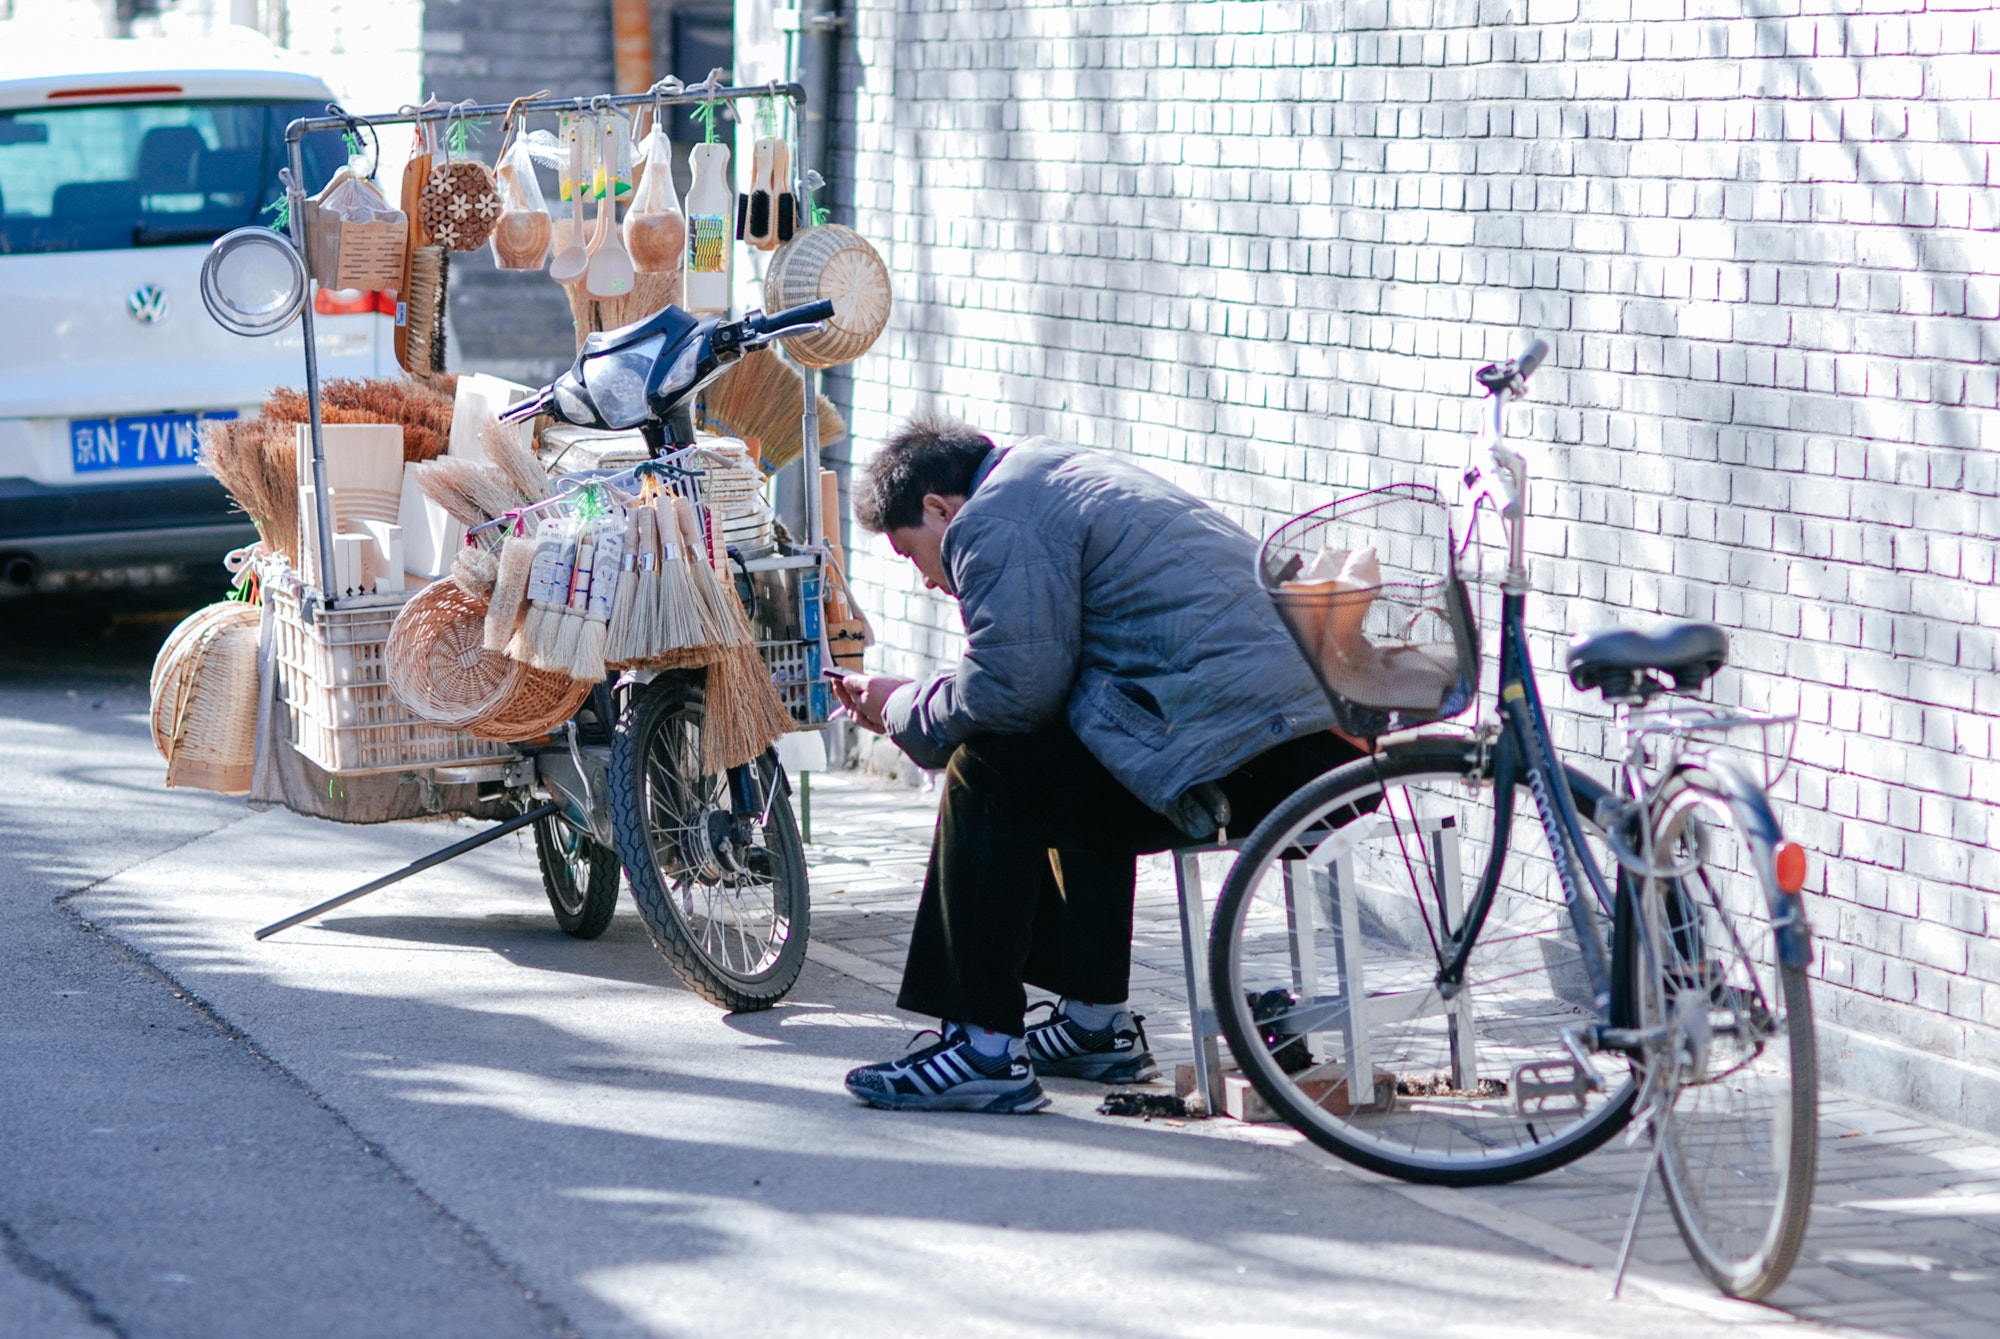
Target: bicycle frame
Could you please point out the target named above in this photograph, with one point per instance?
(1523, 744)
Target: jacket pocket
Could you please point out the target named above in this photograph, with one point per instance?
(1121, 706)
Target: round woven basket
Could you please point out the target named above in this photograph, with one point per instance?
(437, 663)
(541, 702)
(838, 263)
(204, 698)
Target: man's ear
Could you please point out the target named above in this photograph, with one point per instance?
(942, 507)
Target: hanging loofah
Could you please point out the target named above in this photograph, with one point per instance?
(510, 590)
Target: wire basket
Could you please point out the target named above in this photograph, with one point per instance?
(1370, 591)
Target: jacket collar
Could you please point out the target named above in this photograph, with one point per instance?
(986, 467)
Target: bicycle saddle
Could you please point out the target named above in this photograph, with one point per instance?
(1615, 662)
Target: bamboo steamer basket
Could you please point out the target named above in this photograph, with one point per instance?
(436, 661)
(830, 262)
(204, 699)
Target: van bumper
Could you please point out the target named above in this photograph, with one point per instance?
(184, 521)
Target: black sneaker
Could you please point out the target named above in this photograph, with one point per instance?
(950, 1075)
(1059, 1045)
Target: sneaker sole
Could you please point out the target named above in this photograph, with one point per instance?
(1102, 1068)
(982, 1097)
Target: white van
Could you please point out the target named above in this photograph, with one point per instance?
(120, 161)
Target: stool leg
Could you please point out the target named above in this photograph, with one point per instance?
(1201, 1003)
(1464, 1040)
(1353, 980)
(1299, 921)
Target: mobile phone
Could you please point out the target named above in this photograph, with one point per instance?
(838, 675)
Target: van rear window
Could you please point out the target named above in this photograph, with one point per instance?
(147, 174)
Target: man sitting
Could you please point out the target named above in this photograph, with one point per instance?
(1127, 686)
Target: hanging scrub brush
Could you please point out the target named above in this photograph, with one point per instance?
(623, 626)
(577, 612)
(475, 571)
(510, 588)
(587, 662)
(548, 588)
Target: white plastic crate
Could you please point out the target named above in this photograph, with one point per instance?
(334, 693)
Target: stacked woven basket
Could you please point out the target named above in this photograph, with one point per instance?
(439, 667)
(204, 694)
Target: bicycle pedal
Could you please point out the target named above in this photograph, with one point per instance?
(1552, 1087)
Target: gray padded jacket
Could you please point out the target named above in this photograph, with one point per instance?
(1092, 588)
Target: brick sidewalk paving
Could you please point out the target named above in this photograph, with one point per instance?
(1905, 1236)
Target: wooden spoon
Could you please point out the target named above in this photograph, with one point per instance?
(573, 259)
(610, 273)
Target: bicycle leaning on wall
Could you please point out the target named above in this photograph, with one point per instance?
(1428, 988)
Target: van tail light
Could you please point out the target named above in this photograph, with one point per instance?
(1791, 867)
(344, 302)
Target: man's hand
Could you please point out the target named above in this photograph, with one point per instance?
(863, 696)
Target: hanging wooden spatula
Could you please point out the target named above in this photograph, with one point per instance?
(610, 272)
(574, 258)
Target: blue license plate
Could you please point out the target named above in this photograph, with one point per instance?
(141, 442)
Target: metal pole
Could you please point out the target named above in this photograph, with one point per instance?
(416, 867)
(322, 504)
(809, 433)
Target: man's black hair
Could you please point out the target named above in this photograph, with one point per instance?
(930, 453)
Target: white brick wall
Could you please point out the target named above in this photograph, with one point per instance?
(1262, 245)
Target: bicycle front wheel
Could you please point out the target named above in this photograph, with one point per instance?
(723, 895)
(1740, 1071)
(1328, 941)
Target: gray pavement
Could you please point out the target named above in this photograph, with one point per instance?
(1905, 1234)
(432, 1114)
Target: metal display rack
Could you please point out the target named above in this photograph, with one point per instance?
(658, 96)
(574, 799)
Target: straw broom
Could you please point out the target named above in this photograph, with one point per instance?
(759, 399)
(516, 463)
(548, 581)
(623, 620)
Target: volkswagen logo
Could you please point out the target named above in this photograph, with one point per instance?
(147, 304)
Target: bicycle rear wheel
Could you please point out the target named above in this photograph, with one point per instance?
(1340, 903)
(1740, 1138)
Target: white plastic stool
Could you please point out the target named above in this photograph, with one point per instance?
(1202, 1021)
(1328, 874)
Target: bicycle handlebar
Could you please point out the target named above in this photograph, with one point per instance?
(1530, 359)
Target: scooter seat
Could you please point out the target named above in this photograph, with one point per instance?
(1614, 662)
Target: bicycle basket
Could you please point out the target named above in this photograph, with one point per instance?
(1370, 591)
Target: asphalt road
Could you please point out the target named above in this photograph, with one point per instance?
(431, 1114)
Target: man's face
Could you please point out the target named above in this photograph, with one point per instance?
(921, 544)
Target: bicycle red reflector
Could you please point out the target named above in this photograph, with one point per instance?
(1791, 866)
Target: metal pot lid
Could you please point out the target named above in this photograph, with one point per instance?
(253, 282)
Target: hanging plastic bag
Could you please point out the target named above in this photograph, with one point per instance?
(655, 230)
(352, 198)
(521, 234)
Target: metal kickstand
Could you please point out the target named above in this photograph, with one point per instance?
(1638, 1208)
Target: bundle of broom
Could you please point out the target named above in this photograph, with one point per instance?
(742, 714)
(258, 468)
(423, 409)
(658, 613)
(759, 399)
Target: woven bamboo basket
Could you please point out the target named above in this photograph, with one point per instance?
(172, 653)
(204, 690)
(837, 263)
(436, 661)
(542, 701)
